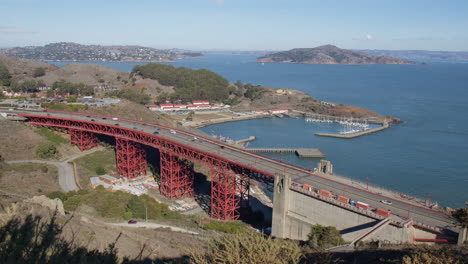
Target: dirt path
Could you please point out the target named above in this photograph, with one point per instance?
(66, 176)
(154, 225)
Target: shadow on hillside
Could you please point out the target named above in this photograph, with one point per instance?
(33, 240)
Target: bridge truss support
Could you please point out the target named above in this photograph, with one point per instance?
(176, 177)
(130, 157)
(229, 192)
(84, 140)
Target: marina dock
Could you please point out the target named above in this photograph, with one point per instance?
(301, 152)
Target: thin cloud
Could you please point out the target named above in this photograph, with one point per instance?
(218, 2)
(14, 30)
(424, 38)
(366, 37)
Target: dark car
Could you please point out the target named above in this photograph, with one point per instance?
(93, 120)
(104, 118)
(117, 124)
(88, 116)
(135, 128)
(132, 221)
(221, 147)
(155, 132)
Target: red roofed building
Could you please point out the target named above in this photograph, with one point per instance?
(181, 106)
(201, 102)
(170, 108)
(279, 111)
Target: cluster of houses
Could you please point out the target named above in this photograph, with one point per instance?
(195, 106)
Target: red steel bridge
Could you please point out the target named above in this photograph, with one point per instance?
(231, 168)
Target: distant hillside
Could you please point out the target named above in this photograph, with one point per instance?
(67, 51)
(329, 54)
(421, 54)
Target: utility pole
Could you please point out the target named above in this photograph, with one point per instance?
(146, 213)
(367, 187)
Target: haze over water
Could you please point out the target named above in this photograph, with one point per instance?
(426, 154)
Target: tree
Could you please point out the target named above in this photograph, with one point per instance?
(190, 116)
(461, 215)
(324, 236)
(5, 77)
(38, 72)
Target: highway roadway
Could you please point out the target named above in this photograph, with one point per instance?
(267, 165)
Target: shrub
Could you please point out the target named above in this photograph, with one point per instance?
(62, 196)
(247, 247)
(46, 150)
(100, 170)
(128, 215)
(38, 72)
(225, 227)
(443, 255)
(324, 237)
(44, 169)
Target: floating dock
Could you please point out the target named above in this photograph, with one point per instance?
(301, 152)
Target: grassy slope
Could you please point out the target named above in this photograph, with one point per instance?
(29, 179)
(86, 166)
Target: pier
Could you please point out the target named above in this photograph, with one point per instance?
(251, 138)
(354, 135)
(301, 152)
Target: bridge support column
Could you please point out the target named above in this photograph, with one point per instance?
(176, 177)
(131, 158)
(84, 140)
(280, 223)
(243, 187)
(224, 190)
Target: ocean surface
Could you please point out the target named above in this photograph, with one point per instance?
(427, 154)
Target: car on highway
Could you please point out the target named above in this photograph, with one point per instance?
(386, 202)
(155, 132)
(93, 120)
(221, 146)
(172, 131)
(132, 221)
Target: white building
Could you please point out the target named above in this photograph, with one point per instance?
(279, 111)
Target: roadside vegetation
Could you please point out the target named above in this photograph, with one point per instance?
(65, 107)
(115, 204)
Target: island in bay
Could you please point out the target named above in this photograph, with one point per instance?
(329, 54)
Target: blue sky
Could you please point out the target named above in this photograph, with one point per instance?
(239, 24)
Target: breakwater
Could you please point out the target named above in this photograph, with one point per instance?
(356, 134)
